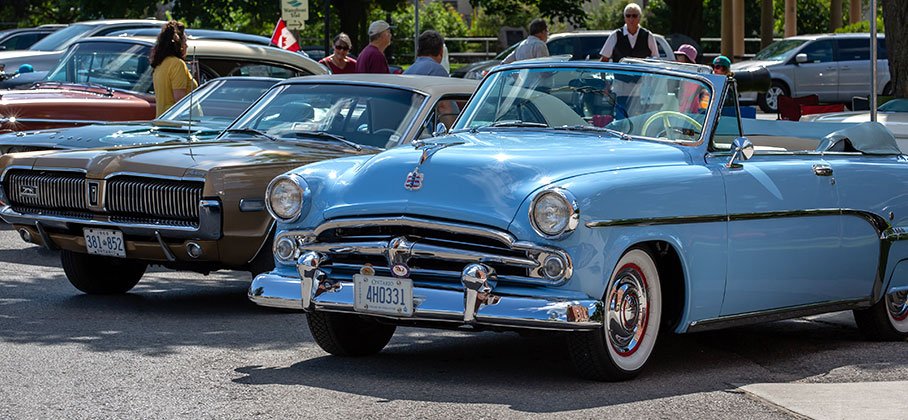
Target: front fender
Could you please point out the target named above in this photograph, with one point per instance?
(682, 205)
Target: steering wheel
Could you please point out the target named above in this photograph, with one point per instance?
(665, 117)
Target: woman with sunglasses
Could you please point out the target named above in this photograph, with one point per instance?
(340, 62)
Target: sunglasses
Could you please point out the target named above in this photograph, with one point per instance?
(341, 47)
(720, 67)
(633, 16)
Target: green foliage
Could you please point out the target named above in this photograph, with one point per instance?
(570, 11)
(486, 23)
(610, 15)
(862, 26)
(439, 16)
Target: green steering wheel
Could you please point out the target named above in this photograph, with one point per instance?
(666, 116)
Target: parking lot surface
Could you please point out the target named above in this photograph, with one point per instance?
(185, 345)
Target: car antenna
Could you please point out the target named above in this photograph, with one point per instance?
(189, 126)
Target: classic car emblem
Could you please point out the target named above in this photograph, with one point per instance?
(28, 190)
(415, 178)
(92, 193)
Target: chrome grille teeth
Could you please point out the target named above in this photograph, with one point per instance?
(52, 190)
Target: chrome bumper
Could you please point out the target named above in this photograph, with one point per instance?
(477, 303)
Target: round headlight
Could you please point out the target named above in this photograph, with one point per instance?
(554, 213)
(285, 197)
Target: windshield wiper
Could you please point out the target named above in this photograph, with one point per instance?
(510, 123)
(259, 133)
(329, 136)
(620, 134)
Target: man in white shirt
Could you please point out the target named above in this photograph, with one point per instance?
(532, 47)
(631, 40)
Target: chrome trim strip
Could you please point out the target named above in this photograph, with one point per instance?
(777, 314)
(418, 250)
(153, 177)
(38, 168)
(48, 120)
(400, 221)
(653, 221)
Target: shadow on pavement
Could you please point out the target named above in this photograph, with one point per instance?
(490, 368)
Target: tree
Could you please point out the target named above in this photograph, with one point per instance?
(570, 11)
(895, 14)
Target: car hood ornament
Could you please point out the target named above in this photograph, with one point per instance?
(415, 178)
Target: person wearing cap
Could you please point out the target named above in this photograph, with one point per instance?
(430, 50)
(721, 65)
(686, 54)
(532, 47)
(372, 58)
(631, 40)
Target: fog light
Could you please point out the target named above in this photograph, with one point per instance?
(285, 249)
(25, 235)
(194, 250)
(553, 268)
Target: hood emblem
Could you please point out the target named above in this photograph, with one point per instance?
(415, 178)
(28, 190)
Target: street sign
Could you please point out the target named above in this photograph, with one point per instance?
(295, 13)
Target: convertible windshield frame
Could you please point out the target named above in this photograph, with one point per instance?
(630, 83)
(408, 123)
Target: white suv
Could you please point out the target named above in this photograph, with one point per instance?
(836, 67)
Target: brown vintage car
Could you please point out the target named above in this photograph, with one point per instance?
(109, 79)
(200, 206)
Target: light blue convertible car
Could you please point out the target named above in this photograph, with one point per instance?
(616, 202)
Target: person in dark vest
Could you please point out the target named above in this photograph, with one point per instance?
(631, 40)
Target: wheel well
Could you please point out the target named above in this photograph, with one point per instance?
(782, 83)
(671, 275)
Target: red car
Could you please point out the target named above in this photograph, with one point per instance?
(109, 79)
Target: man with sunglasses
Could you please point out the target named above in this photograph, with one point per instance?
(722, 65)
(340, 62)
(631, 40)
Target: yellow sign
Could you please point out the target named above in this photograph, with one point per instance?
(295, 13)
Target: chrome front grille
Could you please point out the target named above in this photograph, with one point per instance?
(437, 249)
(47, 190)
(136, 196)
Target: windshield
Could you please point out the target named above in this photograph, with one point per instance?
(367, 115)
(630, 102)
(218, 102)
(779, 50)
(116, 65)
(61, 39)
(894, 105)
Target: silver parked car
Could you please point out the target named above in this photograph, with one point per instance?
(836, 67)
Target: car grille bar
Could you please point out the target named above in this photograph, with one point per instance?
(47, 190)
(157, 198)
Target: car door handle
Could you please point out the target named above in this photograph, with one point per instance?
(822, 169)
(845, 68)
(830, 68)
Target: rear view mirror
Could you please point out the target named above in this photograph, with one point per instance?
(801, 58)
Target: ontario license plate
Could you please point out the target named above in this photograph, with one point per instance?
(383, 295)
(104, 242)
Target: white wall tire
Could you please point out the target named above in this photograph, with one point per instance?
(632, 313)
(887, 320)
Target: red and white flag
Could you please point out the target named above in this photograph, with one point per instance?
(283, 38)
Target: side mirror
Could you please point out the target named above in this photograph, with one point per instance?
(801, 58)
(742, 147)
(440, 130)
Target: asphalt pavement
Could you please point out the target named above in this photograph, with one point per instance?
(184, 345)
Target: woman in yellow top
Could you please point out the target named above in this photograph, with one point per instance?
(172, 80)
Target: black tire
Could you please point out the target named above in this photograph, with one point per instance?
(347, 334)
(771, 104)
(886, 320)
(596, 355)
(263, 262)
(97, 275)
(887, 90)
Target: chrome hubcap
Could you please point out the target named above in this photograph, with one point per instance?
(772, 97)
(898, 305)
(627, 310)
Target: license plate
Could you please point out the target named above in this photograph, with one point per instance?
(383, 295)
(104, 242)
